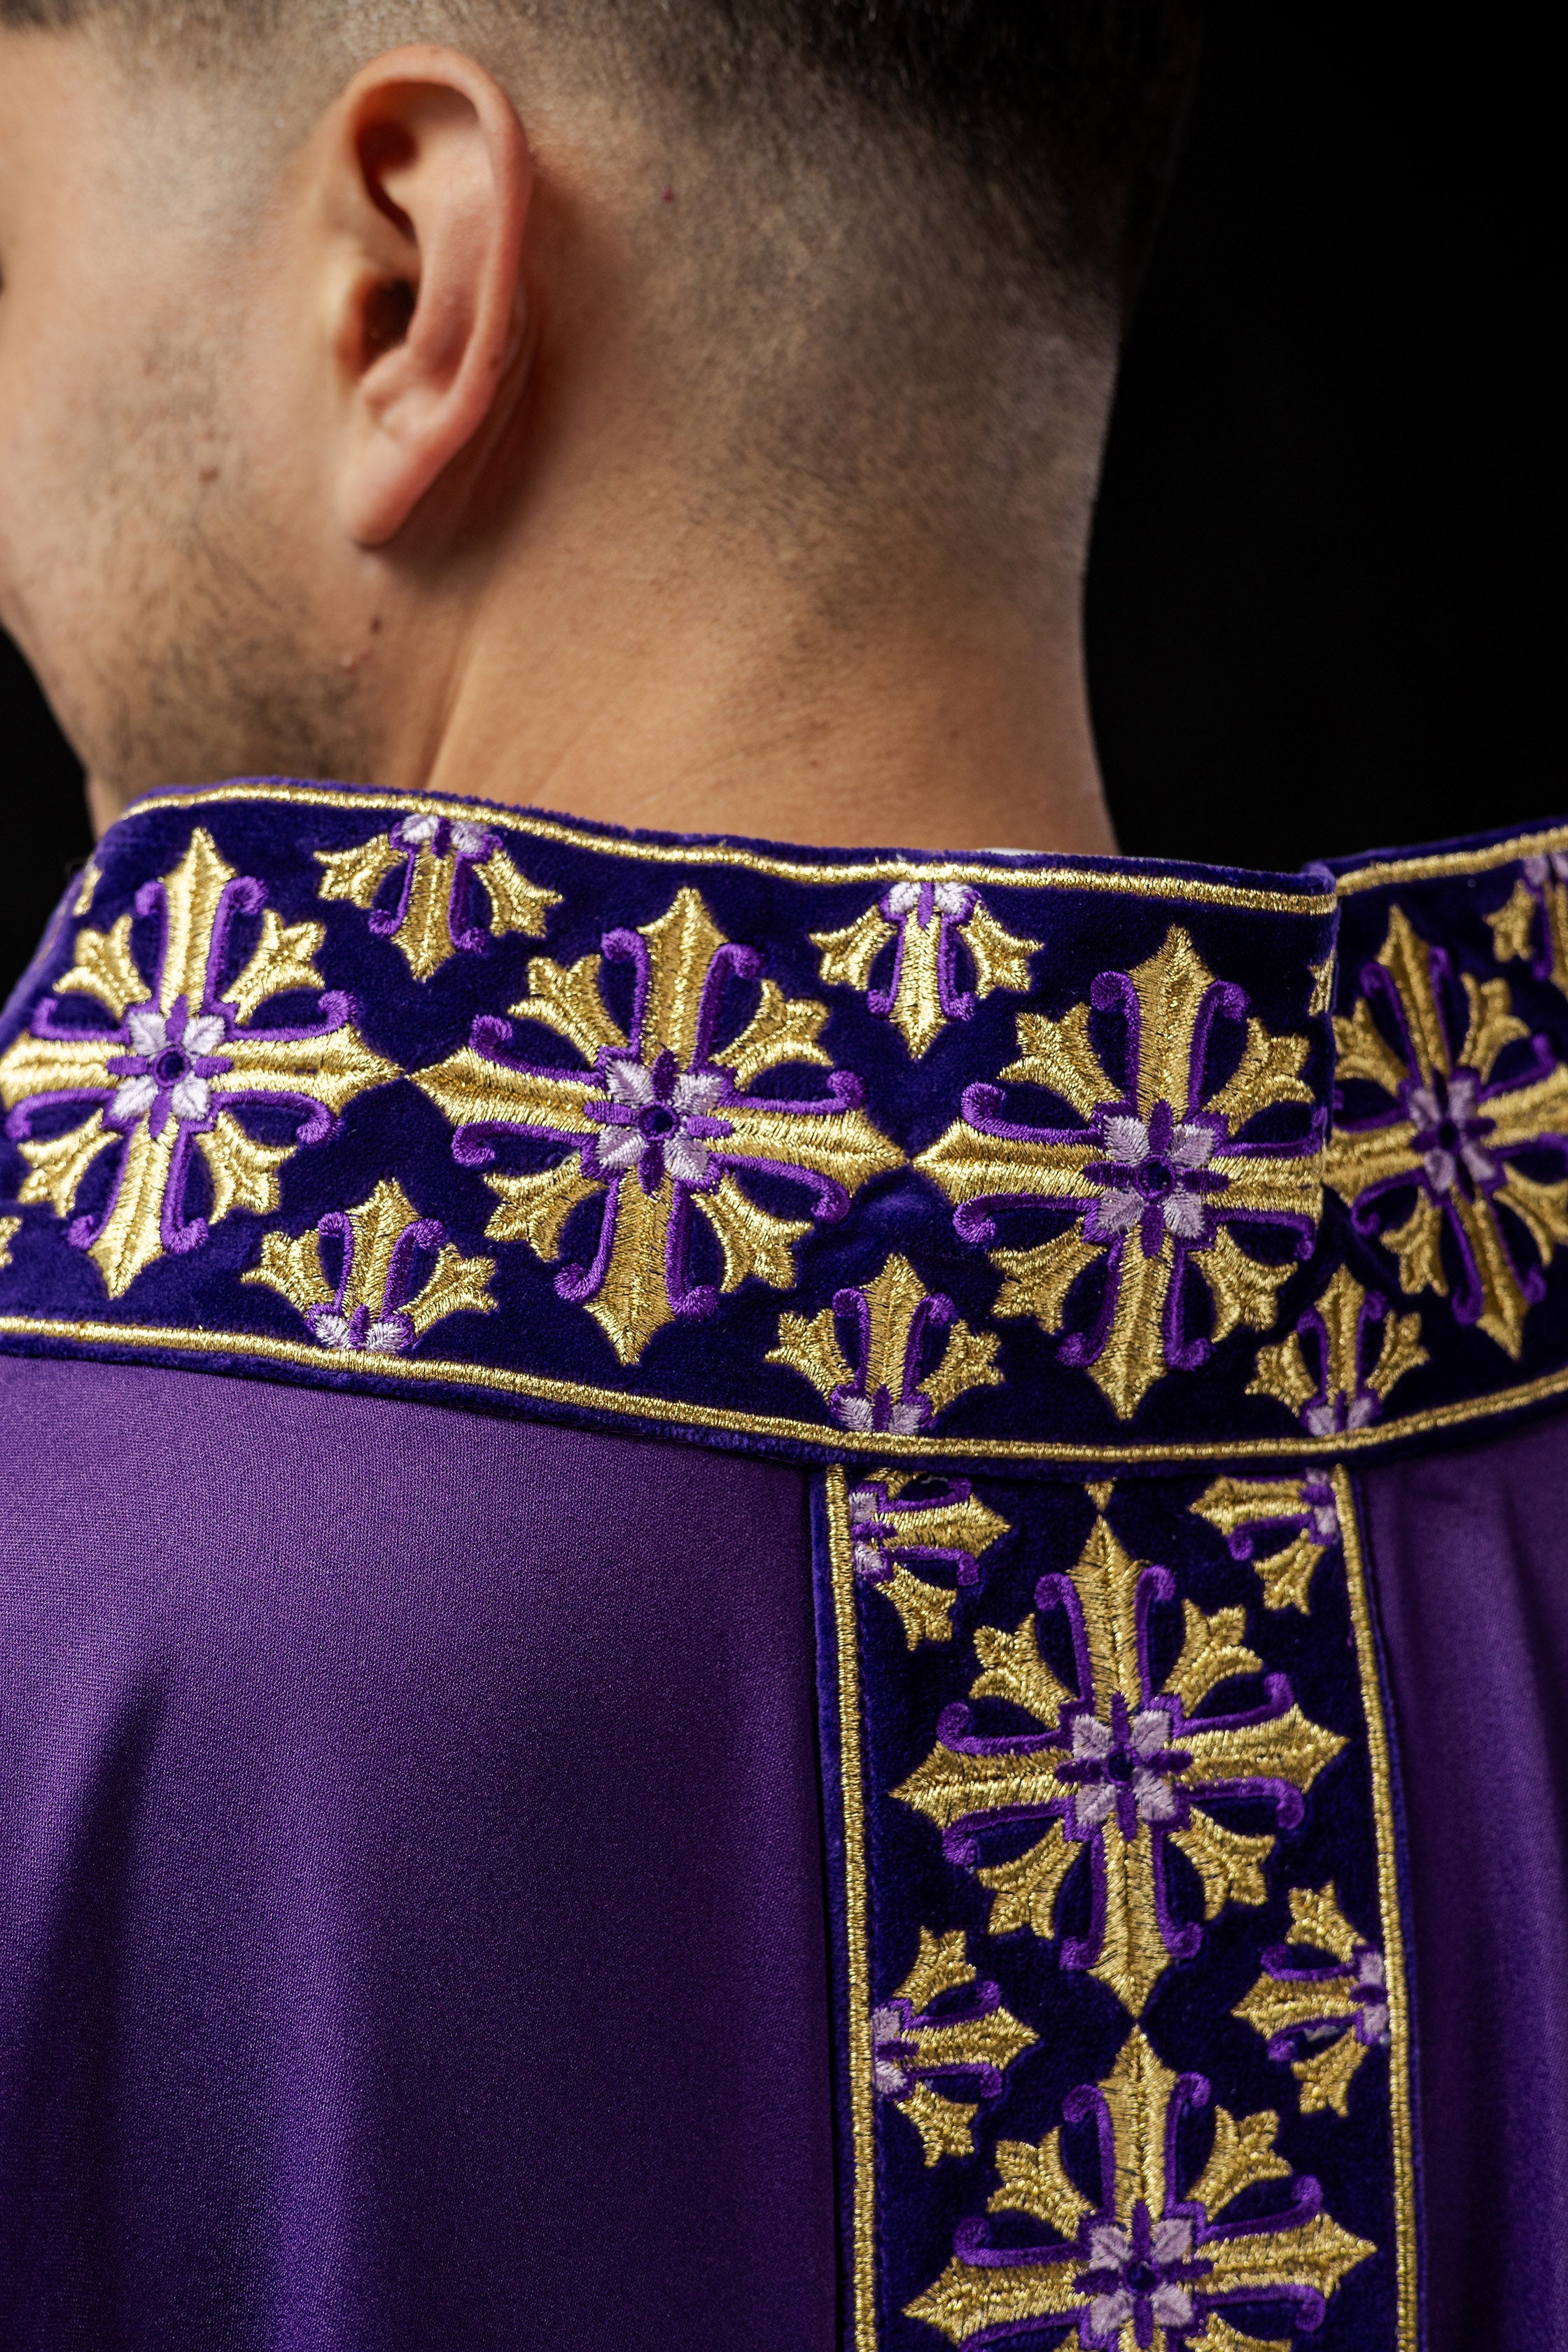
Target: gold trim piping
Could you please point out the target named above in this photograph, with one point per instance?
(851, 1779)
(433, 1371)
(1393, 1925)
(1306, 902)
(1445, 862)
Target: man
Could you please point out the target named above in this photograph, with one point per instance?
(755, 1596)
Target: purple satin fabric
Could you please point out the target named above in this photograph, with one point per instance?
(1469, 1561)
(411, 1926)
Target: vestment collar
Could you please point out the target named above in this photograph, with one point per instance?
(1025, 1159)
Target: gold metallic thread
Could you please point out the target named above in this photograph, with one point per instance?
(1138, 2094)
(857, 1971)
(1399, 2054)
(972, 1164)
(582, 1396)
(996, 874)
(1452, 864)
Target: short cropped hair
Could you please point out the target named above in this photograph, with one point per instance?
(1056, 119)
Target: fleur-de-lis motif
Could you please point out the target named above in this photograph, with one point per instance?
(1453, 1132)
(660, 1125)
(181, 1069)
(1350, 1388)
(398, 1274)
(1331, 2014)
(1145, 2261)
(433, 917)
(893, 1533)
(1122, 1767)
(922, 2052)
(914, 1355)
(1302, 1507)
(923, 923)
(1155, 1180)
(1533, 927)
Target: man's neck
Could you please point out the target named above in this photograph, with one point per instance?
(957, 729)
(689, 704)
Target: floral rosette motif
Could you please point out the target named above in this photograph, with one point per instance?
(1164, 1171)
(1468, 1129)
(661, 1127)
(171, 1087)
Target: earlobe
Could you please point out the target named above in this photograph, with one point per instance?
(434, 178)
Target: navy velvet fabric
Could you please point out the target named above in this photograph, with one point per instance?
(425, 1914)
(918, 1707)
(1268, 939)
(411, 1923)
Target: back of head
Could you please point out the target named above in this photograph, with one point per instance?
(855, 269)
(966, 165)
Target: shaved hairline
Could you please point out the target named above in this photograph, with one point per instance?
(866, 309)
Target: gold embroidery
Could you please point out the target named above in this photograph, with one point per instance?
(924, 921)
(894, 1317)
(1302, 1508)
(658, 1127)
(1147, 882)
(668, 1412)
(440, 857)
(915, 2050)
(1448, 865)
(891, 1534)
(1333, 2015)
(1122, 1767)
(1388, 1903)
(1340, 1397)
(169, 1077)
(1143, 2237)
(375, 1304)
(1536, 911)
(1450, 1137)
(856, 1911)
(1154, 1178)
(9, 1229)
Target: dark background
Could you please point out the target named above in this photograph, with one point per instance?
(1320, 595)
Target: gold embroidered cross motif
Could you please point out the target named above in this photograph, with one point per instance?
(398, 1274)
(1122, 1769)
(1323, 2017)
(1454, 1134)
(894, 1533)
(914, 1355)
(171, 1083)
(1156, 1180)
(928, 2050)
(660, 1125)
(435, 916)
(1533, 927)
(1302, 1510)
(924, 923)
(1144, 2260)
(1350, 1388)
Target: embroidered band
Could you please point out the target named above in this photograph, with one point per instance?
(998, 1159)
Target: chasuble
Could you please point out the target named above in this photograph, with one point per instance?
(768, 1599)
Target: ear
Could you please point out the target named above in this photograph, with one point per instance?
(428, 182)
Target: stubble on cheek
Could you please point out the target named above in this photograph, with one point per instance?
(173, 613)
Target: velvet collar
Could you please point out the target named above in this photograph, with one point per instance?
(1017, 1157)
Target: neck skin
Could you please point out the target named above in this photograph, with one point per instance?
(956, 729)
(720, 706)
(545, 554)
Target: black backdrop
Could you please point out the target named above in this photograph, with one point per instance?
(1319, 596)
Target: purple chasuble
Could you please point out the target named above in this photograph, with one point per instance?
(773, 1598)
